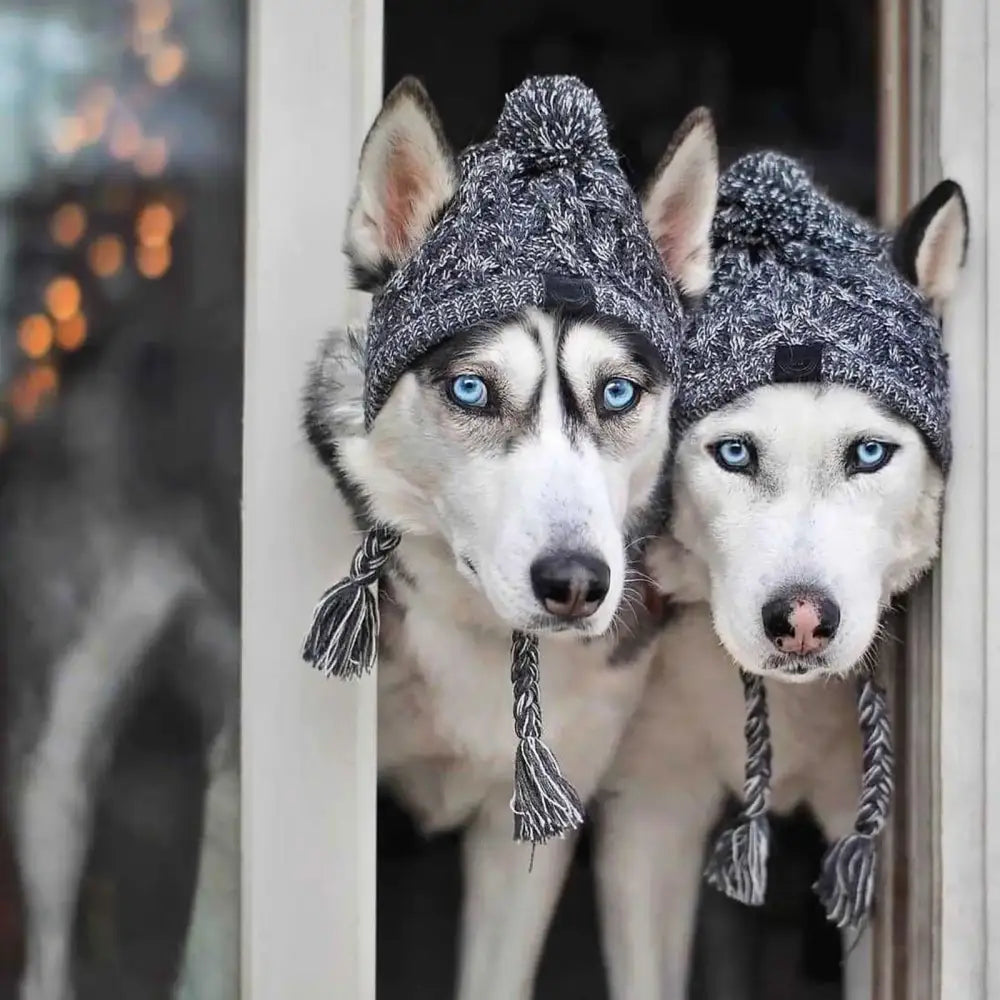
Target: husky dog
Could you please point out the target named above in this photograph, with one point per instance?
(799, 511)
(119, 515)
(523, 460)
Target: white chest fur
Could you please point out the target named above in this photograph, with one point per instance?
(446, 736)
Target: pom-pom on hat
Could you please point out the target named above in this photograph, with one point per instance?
(806, 290)
(542, 216)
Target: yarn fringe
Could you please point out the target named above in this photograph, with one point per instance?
(738, 863)
(544, 803)
(343, 638)
(846, 885)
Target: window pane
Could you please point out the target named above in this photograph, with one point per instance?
(121, 258)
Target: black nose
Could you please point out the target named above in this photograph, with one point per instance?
(800, 621)
(570, 584)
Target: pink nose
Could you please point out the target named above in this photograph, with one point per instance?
(801, 624)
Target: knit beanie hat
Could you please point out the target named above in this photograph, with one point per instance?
(806, 291)
(543, 216)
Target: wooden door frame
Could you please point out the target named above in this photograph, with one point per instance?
(938, 932)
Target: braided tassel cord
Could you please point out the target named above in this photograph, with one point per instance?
(846, 883)
(545, 804)
(343, 638)
(738, 865)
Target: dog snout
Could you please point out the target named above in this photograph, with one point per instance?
(801, 623)
(570, 584)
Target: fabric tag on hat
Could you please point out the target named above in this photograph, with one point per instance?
(798, 362)
(568, 293)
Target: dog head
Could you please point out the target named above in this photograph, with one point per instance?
(526, 453)
(812, 505)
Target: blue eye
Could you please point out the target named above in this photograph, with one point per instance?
(619, 395)
(469, 390)
(869, 455)
(735, 455)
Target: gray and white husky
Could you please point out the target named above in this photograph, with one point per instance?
(119, 527)
(482, 502)
(736, 542)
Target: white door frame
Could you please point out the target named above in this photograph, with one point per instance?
(308, 918)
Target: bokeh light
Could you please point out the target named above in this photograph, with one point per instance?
(153, 261)
(68, 224)
(151, 160)
(34, 335)
(106, 255)
(71, 333)
(62, 297)
(154, 225)
(166, 64)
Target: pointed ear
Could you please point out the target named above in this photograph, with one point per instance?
(680, 201)
(930, 244)
(405, 178)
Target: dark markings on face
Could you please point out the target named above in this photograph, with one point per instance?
(515, 404)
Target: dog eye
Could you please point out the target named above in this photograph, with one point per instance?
(735, 455)
(869, 455)
(469, 391)
(619, 395)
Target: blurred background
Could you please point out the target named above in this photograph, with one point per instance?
(121, 257)
(121, 260)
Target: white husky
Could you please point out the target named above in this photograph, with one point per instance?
(482, 503)
(736, 547)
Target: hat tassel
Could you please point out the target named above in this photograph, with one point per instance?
(545, 804)
(738, 865)
(343, 638)
(846, 885)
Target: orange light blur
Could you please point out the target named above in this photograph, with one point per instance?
(68, 225)
(94, 110)
(62, 297)
(30, 388)
(153, 261)
(72, 332)
(154, 225)
(34, 335)
(151, 159)
(106, 255)
(152, 16)
(69, 135)
(126, 140)
(166, 64)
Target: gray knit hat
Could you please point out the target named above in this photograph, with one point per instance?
(806, 291)
(543, 216)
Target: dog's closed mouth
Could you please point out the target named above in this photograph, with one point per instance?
(797, 666)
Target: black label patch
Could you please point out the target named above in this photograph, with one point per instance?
(798, 363)
(569, 294)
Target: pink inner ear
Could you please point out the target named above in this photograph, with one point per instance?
(671, 236)
(406, 179)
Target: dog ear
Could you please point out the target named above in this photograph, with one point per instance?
(930, 244)
(680, 201)
(406, 176)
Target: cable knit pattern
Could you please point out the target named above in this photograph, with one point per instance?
(794, 267)
(545, 196)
